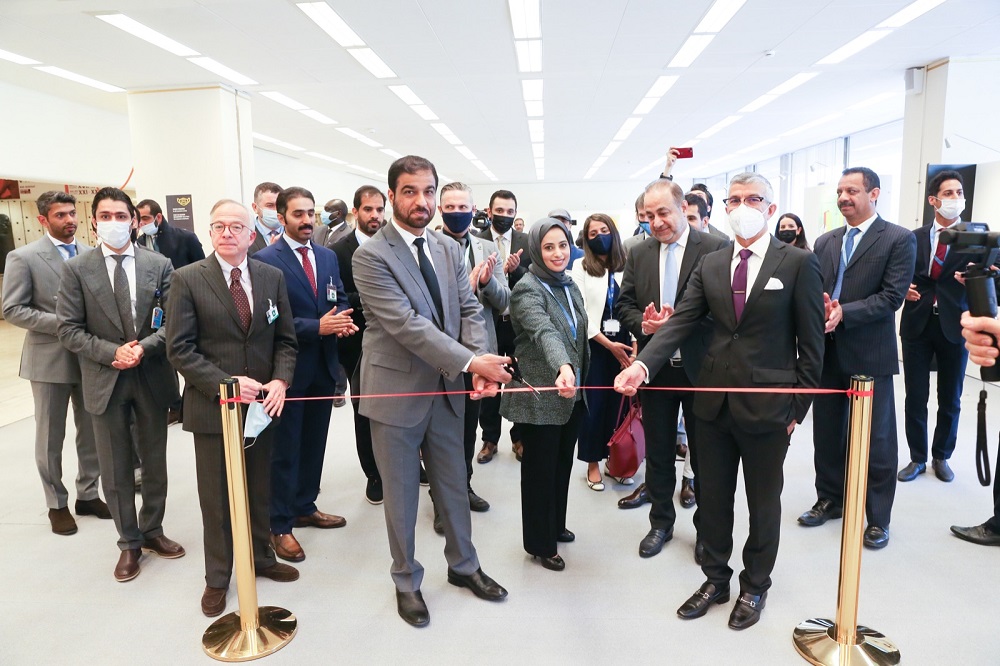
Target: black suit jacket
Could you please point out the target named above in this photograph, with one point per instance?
(350, 347)
(518, 241)
(875, 283)
(950, 294)
(641, 286)
(777, 343)
(180, 246)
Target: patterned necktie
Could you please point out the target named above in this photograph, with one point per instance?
(240, 298)
(938, 264)
(123, 299)
(502, 245)
(427, 270)
(70, 250)
(845, 256)
(668, 293)
(307, 267)
(740, 283)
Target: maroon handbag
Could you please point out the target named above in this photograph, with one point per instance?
(628, 443)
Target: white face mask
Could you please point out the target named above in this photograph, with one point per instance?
(257, 419)
(951, 208)
(148, 229)
(746, 222)
(114, 234)
(269, 217)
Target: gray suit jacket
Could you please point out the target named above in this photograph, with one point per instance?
(89, 324)
(544, 341)
(322, 235)
(30, 287)
(206, 342)
(406, 348)
(495, 296)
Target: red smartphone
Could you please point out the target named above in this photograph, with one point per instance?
(685, 153)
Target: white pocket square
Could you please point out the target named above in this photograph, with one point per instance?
(773, 284)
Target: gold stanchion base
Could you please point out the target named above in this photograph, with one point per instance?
(225, 639)
(815, 641)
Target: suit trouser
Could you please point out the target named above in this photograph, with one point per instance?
(952, 358)
(724, 444)
(489, 409)
(994, 522)
(362, 427)
(830, 419)
(114, 450)
(298, 452)
(213, 495)
(51, 404)
(471, 426)
(545, 471)
(397, 450)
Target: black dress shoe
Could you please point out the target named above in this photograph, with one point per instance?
(95, 507)
(699, 602)
(373, 491)
(687, 493)
(747, 610)
(423, 476)
(412, 608)
(438, 523)
(980, 534)
(554, 563)
(911, 471)
(699, 552)
(481, 585)
(477, 503)
(566, 537)
(822, 511)
(638, 497)
(942, 471)
(652, 543)
(876, 537)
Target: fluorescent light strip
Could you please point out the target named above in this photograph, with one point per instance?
(531, 90)
(611, 148)
(446, 132)
(539, 163)
(79, 78)
(529, 55)
(539, 174)
(17, 59)
(284, 100)
(691, 49)
(331, 23)
(725, 122)
(318, 117)
(489, 174)
(814, 123)
(478, 164)
(778, 90)
(590, 173)
(359, 137)
(147, 34)
(759, 103)
(358, 167)
(626, 128)
(391, 153)
(536, 130)
(370, 61)
(662, 85)
(466, 153)
(278, 142)
(909, 12)
(719, 15)
(538, 149)
(533, 109)
(219, 69)
(756, 146)
(854, 46)
(406, 94)
(321, 156)
(658, 161)
(525, 19)
(645, 105)
(424, 112)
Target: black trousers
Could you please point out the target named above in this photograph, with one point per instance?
(471, 426)
(362, 426)
(489, 408)
(545, 472)
(723, 446)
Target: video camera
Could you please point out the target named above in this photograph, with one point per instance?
(982, 247)
(480, 220)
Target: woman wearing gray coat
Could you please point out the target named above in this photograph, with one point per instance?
(550, 328)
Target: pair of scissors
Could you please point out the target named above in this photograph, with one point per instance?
(515, 373)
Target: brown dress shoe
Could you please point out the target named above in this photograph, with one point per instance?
(278, 572)
(213, 601)
(128, 565)
(62, 522)
(164, 547)
(486, 453)
(687, 493)
(94, 507)
(324, 521)
(174, 416)
(287, 547)
(518, 449)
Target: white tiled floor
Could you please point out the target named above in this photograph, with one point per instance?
(935, 596)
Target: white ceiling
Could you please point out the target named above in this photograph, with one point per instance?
(598, 60)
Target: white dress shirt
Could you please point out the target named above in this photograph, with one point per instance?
(62, 247)
(227, 270)
(759, 249)
(128, 265)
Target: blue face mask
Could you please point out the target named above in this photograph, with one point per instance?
(457, 223)
(257, 419)
(600, 244)
(324, 217)
(645, 227)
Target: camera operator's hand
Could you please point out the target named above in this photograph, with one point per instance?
(977, 332)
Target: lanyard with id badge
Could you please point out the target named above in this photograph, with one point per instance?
(156, 321)
(331, 291)
(567, 313)
(611, 326)
(271, 312)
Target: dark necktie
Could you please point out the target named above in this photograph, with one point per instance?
(240, 298)
(740, 283)
(123, 299)
(427, 270)
(307, 267)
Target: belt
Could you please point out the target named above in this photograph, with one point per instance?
(504, 317)
(676, 362)
(934, 310)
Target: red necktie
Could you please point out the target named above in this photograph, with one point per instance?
(307, 267)
(938, 263)
(240, 298)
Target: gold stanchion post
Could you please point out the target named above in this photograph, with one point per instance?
(845, 643)
(250, 632)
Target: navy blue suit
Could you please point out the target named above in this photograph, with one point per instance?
(300, 440)
(931, 327)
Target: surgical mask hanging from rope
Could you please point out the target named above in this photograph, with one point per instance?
(257, 419)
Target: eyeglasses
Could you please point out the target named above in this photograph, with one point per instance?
(733, 202)
(234, 229)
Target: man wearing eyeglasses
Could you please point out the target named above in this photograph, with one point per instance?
(230, 317)
(867, 266)
(765, 299)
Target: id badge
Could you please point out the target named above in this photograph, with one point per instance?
(612, 326)
(272, 312)
(157, 320)
(331, 292)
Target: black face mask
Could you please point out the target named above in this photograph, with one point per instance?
(502, 223)
(787, 235)
(457, 223)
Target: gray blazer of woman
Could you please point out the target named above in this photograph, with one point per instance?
(544, 341)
